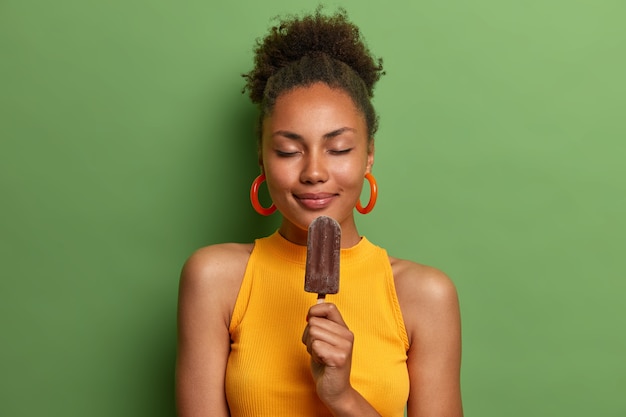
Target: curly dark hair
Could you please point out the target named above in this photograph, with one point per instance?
(314, 48)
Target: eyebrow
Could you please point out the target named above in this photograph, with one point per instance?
(292, 135)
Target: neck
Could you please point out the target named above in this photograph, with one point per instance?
(298, 235)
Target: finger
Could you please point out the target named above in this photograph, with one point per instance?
(323, 330)
(325, 323)
(305, 337)
(333, 355)
(328, 311)
(327, 342)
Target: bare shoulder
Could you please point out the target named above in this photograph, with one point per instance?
(209, 284)
(421, 283)
(426, 295)
(217, 261)
(214, 274)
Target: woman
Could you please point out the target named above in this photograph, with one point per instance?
(251, 341)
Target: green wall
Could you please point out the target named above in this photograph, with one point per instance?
(125, 144)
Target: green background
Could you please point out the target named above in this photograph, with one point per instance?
(126, 144)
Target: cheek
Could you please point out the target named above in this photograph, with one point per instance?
(353, 172)
(278, 177)
(351, 178)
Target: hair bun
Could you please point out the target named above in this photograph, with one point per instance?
(294, 38)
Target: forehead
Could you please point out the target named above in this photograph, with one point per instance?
(317, 104)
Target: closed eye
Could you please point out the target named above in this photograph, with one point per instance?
(339, 151)
(284, 154)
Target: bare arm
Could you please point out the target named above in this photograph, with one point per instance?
(208, 289)
(429, 303)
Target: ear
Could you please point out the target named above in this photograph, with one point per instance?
(370, 156)
(259, 154)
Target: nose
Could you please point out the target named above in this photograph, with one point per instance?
(314, 169)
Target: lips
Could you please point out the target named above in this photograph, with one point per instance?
(315, 200)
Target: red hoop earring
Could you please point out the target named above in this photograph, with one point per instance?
(254, 197)
(373, 195)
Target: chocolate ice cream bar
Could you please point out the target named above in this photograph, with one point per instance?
(322, 257)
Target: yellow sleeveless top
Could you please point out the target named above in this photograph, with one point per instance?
(268, 371)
